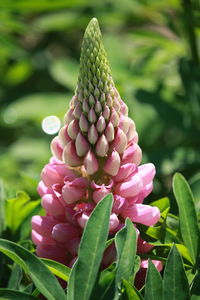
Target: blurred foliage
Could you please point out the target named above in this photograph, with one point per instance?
(153, 52)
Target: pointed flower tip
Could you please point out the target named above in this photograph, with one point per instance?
(93, 25)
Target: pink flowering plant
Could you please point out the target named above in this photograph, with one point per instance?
(98, 235)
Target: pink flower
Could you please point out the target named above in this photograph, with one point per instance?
(95, 153)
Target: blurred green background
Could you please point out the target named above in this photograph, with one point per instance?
(152, 47)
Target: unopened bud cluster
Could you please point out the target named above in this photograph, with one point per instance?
(95, 153)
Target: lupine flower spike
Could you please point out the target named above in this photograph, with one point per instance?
(95, 153)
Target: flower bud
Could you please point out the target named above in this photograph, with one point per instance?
(120, 141)
(85, 106)
(112, 164)
(90, 163)
(114, 118)
(69, 116)
(70, 156)
(92, 135)
(98, 107)
(82, 145)
(102, 146)
(77, 111)
(101, 124)
(92, 116)
(56, 148)
(83, 123)
(63, 136)
(73, 129)
(110, 132)
(106, 112)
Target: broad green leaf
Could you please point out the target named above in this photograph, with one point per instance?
(187, 215)
(92, 245)
(126, 244)
(56, 268)
(154, 285)
(15, 295)
(43, 279)
(130, 292)
(22, 207)
(175, 286)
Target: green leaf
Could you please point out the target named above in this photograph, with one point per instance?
(175, 285)
(130, 292)
(35, 107)
(187, 215)
(15, 295)
(15, 277)
(196, 285)
(57, 269)
(105, 287)
(65, 72)
(43, 279)
(162, 203)
(126, 244)
(92, 245)
(2, 207)
(181, 248)
(22, 207)
(153, 286)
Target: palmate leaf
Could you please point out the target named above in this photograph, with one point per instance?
(43, 279)
(153, 286)
(175, 286)
(92, 245)
(187, 215)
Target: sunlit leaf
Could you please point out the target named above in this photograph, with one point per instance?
(175, 284)
(187, 215)
(85, 270)
(153, 284)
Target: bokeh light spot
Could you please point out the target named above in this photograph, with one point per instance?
(51, 124)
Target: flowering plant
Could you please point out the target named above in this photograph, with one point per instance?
(97, 235)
